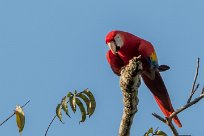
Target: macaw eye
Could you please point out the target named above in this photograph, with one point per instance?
(118, 41)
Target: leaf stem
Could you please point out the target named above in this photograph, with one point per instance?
(50, 124)
(13, 114)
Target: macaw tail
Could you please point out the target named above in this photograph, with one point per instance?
(161, 95)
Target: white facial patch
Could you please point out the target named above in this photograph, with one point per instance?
(118, 40)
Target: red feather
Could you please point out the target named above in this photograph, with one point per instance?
(161, 95)
(115, 62)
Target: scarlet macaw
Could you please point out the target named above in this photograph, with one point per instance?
(123, 47)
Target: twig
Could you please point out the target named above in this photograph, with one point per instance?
(197, 86)
(187, 106)
(13, 113)
(7, 118)
(156, 130)
(167, 121)
(25, 104)
(193, 90)
(159, 118)
(50, 124)
(173, 129)
(129, 83)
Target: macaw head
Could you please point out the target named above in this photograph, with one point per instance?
(115, 40)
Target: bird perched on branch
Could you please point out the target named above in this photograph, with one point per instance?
(123, 47)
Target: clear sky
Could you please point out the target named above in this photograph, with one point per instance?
(50, 47)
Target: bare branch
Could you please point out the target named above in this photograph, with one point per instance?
(159, 118)
(197, 86)
(50, 124)
(7, 118)
(129, 82)
(25, 104)
(172, 127)
(187, 106)
(193, 90)
(13, 113)
(167, 121)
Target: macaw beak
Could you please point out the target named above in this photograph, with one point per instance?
(112, 47)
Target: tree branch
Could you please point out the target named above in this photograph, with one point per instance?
(50, 124)
(186, 106)
(168, 120)
(193, 90)
(129, 83)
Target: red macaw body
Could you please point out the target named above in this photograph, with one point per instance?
(123, 47)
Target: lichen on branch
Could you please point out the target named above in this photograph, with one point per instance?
(129, 83)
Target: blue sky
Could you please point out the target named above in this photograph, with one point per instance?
(50, 47)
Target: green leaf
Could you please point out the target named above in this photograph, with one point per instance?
(86, 100)
(160, 133)
(150, 131)
(75, 92)
(20, 118)
(92, 104)
(72, 101)
(58, 112)
(146, 134)
(69, 94)
(64, 105)
(82, 109)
